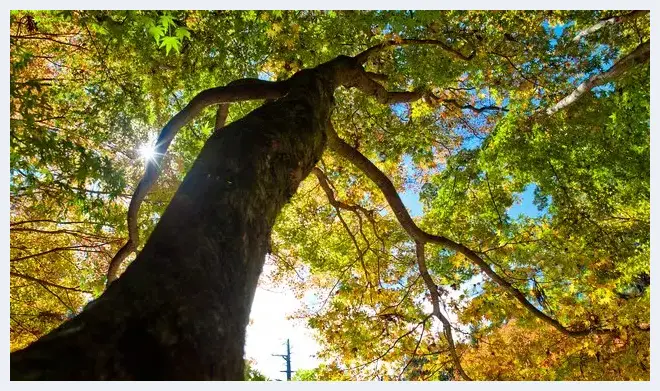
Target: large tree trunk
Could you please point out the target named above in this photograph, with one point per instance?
(181, 308)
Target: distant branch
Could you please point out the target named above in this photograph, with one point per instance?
(640, 55)
(369, 214)
(47, 39)
(79, 234)
(337, 205)
(339, 279)
(402, 336)
(475, 109)
(82, 248)
(43, 282)
(607, 21)
(15, 223)
(435, 300)
(414, 352)
(67, 306)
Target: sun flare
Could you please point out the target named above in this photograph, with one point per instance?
(147, 152)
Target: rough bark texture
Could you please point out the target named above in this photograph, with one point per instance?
(181, 308)
(238, 90)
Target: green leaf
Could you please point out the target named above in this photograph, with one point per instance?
(181, 33)
(249, 16)
(166, 21)
(157, 32)
(170, 43)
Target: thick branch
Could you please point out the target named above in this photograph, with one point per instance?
(475, 109)
(240, 90)
(383, 183)
(640, 55)
(611, 20)
(402, 215)
(435, 300)
(363, 82)
(323, 181)
(221, 115)
(364, 56)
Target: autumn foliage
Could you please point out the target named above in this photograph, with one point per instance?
(493, 126)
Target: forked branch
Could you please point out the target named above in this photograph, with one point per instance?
(323, 181)
(356, 209)
(435, 301)
(402, 215)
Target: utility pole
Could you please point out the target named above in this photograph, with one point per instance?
(287, 359)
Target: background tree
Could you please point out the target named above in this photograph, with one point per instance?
(491, 104)
(252, 374)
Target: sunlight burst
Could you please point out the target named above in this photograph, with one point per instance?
(147, 151)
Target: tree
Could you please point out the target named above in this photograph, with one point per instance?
(252, 374)
(306, 375)
(543, 109)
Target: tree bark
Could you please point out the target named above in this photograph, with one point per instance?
(180, 309)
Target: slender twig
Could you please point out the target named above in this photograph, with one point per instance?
(40, 281)
(341, 275)
(47, 39)
(67, 306)
(492, 200)
(391, 346)
(56, 249)
(79, 234)
(414, 353)
(15, 223)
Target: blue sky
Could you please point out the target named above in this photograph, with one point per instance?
(524, 207)
(411, 201)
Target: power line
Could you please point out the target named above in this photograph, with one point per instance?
(287, 360)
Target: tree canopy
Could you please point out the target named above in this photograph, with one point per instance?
(471, 110)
